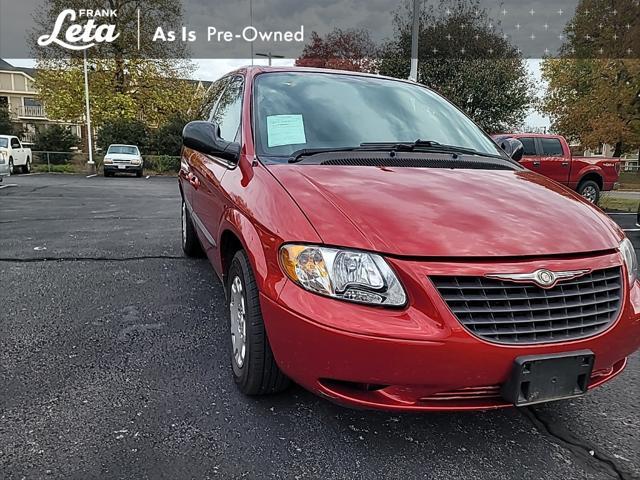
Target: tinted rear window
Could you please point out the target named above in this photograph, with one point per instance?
(529, 146)
(552, 147)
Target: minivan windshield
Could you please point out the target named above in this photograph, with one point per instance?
(123, 149)
(308, 110)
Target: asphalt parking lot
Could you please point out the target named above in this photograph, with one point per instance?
(113, 364)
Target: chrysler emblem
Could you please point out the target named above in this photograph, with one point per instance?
(543, 278)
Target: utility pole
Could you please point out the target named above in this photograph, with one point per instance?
(269, 55)
(88, 110)
(413, 74)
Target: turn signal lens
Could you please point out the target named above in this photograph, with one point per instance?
(346, 274)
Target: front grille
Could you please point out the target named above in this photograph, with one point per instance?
(515, 313)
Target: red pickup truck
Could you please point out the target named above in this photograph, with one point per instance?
(550, 155)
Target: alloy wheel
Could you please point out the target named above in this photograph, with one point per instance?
(590, 193)
(237, 311)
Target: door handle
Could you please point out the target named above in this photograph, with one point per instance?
(565, 164)
(536, 163)
(195, 183)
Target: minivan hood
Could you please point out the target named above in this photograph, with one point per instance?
(436, 212)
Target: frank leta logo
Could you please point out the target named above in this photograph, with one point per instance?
(78, 36)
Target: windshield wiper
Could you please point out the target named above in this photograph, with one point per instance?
(298, 155)
(429, 145)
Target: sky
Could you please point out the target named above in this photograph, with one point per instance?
(215, 68)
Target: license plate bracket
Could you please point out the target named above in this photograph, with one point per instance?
(122, 167)
(543, 378)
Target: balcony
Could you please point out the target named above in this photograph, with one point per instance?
(29, 111)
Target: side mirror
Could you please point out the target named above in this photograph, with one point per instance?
(512, 147)
(204, 137)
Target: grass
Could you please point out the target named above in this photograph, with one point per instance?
(618, 204)
(629, 181)
(65, 168)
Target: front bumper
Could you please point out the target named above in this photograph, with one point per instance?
(420, 357)
(122, 167)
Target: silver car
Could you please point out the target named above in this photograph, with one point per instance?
(5, 169)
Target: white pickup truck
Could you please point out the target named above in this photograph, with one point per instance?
(16, 156)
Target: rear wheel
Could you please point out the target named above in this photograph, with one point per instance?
(590, 191)
(254, 368)
(190, 243)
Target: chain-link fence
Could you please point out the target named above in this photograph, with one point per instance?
(76, 162)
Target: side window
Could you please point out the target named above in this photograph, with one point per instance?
(211, 98)
(551, 147)
(15, 143)
(529, 146)
(229, 110)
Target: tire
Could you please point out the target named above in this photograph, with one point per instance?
(590, 191)
(255, 372)
(11, 172)
(190, 243)
(26, 168)
(107, 174)
(139, 173)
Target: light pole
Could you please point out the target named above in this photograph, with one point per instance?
(269, 56)
(88, 110)
(251, 23)
(413, 74)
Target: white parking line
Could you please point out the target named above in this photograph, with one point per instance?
(8, 185)
(94, 175)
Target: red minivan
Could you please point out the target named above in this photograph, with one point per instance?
(379, 249)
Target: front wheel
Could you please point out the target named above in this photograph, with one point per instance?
(26, 168)
(590, 191)
(254, 367)
(11, 172)
(138, 173)
(190, 243)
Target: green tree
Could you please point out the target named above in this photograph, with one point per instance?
(55, 138)
(123, 131)
(167, 139)
(464, 58)
(351, 50)
(7, 127)
(125, 82)
(593, 92)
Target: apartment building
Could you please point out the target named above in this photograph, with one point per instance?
(17, 90)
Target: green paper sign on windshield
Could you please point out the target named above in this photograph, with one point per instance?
(285, 130)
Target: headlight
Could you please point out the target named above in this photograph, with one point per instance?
(107, 161)
(345, 274)
(136, 162)
(630, 259)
